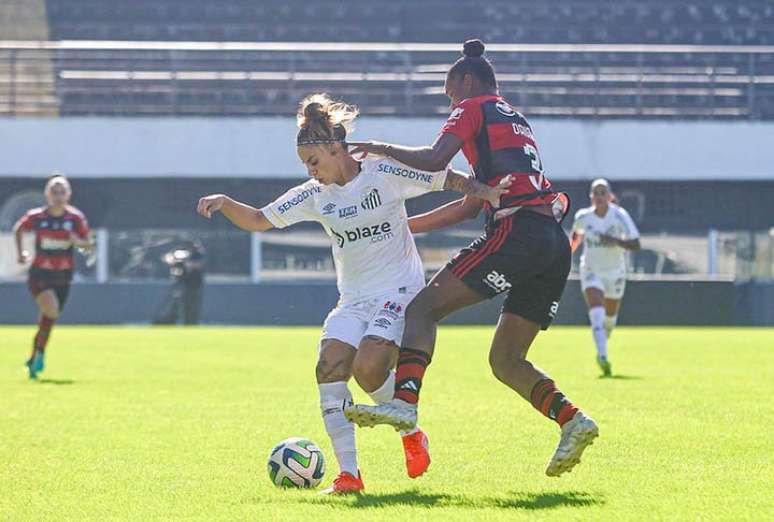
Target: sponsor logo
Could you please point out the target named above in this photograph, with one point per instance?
(497, 282)
(391, 305)
(377, 234)
(456, 113)
(348, 212)
(523, 130)
(371, 200)
(67, 225)
(505, 109)
(381, 322)
(391, 309)
(554, 308)
(44, 224)
(328, 209)
(297, 199)
(424, 177)
(48, 243)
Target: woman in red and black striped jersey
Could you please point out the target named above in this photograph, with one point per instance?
(59, 228)
(524, 253)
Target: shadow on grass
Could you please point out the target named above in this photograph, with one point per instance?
(57, 382)
(620, 377)
(513, 500)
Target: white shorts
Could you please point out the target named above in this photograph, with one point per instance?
(612, 284)
(382, 316)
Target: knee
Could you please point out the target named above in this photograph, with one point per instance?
(52, 312)
(502, 362)
(370, 366)
(330, 370)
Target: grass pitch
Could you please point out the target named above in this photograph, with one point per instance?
(176, 423)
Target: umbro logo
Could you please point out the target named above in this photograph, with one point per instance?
(328, 209)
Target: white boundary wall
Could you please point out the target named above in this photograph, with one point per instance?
(264, 147)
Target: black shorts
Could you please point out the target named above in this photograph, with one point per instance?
(525, 254)
(41, 280)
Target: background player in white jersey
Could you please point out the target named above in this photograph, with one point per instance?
(360, 204)
(607, 232)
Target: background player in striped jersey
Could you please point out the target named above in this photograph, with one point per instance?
(607, 232)
(59, 228)
(360, 204)
(523, 252)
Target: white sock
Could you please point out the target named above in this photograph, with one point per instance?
(340, 430)
(385, 392)
(597, 318)
(610, 322)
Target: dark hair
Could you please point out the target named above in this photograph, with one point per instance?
(473, 62)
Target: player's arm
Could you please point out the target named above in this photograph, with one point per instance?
(81, 236)
(626, 244)
(447, 215)
(576, 240)
(18, 231)
(432, 158)
(240, 214)
(464, 184)
(631, 240)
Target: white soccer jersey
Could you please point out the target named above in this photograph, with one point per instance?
(597, 257)
(373, 249)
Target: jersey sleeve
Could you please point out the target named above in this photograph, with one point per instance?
(27, 221)
(294, 206)
(628, 223)
(408, 182)
(82, 226)
(464, 121)
(577, 221)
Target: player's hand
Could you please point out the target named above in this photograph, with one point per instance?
(23, 257)
(80, 242)
(498, 191)
(606, 239)
(360, 149)
(209, 204)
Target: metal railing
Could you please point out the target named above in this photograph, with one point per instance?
(253, 78)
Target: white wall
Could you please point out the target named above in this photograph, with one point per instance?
(264, 147)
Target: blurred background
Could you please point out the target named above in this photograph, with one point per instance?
(147, 105)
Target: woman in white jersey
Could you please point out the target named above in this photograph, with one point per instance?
(360, 204)
(607, 232)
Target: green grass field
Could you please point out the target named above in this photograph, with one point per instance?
(170, 424)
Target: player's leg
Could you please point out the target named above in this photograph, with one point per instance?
(508, 358)
(593, 293)
(49, 308)
(373, 370)
(613, 296)
(531, 305)
(443, 295)
(342, 331)
(612, 306)
(334, 368)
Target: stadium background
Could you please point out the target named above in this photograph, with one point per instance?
(148, 105)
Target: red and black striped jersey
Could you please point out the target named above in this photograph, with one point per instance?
(53, 245)
(498, 141)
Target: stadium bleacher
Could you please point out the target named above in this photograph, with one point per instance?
(667, 59)
(522, 21)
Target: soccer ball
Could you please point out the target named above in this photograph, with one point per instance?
(296, 462)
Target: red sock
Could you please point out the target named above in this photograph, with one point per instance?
(41, 338)
(408, 376)
(551, 402)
